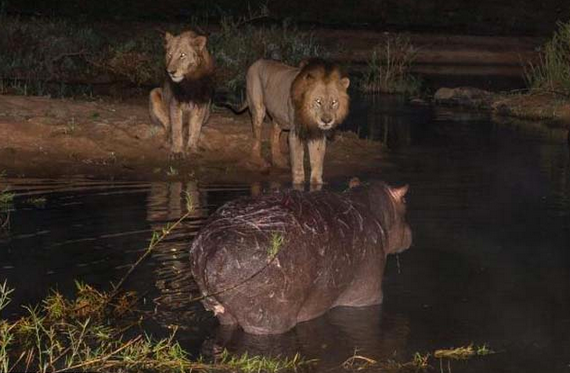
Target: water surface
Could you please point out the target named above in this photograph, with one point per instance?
(489, 206)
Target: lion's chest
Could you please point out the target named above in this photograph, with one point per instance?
(187, 106)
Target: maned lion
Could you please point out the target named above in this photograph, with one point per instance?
(187, 91)
(309, 100)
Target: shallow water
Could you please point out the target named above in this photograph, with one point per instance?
(489, 207)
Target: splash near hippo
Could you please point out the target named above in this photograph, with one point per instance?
(270, 262)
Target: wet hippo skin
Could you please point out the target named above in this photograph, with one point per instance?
(270, 262)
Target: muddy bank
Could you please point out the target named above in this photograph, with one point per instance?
(531, 106)
(43, 137)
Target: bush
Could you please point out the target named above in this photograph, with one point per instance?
(39, 56)
(238, 45)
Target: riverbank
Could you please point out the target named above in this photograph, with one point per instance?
(538, 106)
(44, 137)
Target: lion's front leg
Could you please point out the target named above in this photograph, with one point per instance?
(277, 157)
(176, 148)
(257, 116)
(198, 116)
(317, 149)
(297, 153)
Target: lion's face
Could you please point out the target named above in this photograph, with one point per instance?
(326, 103)
(320, 98)
(184, 54)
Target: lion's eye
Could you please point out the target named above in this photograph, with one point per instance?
(334, 103)
(318, 102)
(182, 56)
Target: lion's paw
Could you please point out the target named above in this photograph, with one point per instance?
(177, 156)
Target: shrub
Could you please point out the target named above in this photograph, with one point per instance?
(47, 56)
(238, 44)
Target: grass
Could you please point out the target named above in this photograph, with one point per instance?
(88, 333)
(6, 199)
(277, 241)
(552, 72)
(171, 171)
(60, 58)
(388, 69)
(255, 364)
(419, 362)
(37, 201)
(463, 353)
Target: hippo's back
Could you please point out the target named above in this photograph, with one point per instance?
(259, 256)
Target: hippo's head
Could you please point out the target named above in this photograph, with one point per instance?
(389, 206)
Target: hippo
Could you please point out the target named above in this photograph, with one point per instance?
(270, 262)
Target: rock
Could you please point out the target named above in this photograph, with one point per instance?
(464, 96)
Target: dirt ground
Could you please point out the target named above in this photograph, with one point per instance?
(43, 137)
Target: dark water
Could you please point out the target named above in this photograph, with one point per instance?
(489, 206)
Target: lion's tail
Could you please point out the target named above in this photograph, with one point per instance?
(158, 114)
(238, 110)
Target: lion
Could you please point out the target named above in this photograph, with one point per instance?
(187, 92)
(310, 101)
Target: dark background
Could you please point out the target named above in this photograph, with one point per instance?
(483, 17)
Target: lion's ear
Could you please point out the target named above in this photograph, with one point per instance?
(309, 76)
(345, 82)
(168, 37)
(200, 42)
(303, 63)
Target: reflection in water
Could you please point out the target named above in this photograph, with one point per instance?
(330, 339)
(166, 204)
(383, 118)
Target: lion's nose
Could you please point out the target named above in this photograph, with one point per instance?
(172, 72)
(327, 120)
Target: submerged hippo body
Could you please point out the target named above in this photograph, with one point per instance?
(271, 262)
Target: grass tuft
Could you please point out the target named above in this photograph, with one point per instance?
(277, 241)
(463, 353)
(253, 364)
(552, 72)
(65, 335)
(37, 201)
(6, 199)
(388, 69)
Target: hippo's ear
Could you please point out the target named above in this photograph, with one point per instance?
(399, 193)
(354, 182)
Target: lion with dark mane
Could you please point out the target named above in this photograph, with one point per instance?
(309, 101)
(187, 91)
